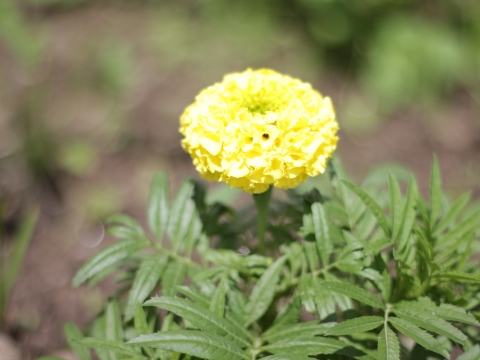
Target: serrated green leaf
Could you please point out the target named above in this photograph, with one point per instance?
(114, 329)
(423, 210)
(435, 192)
(306, 292)
(376, 278)
(131, 226)
(366, 225)
(99, 331)
(311, 255)
(195, 343)
(147, 277)
(419, 336)
(343, 302)
(357, 325)
(425, 251)
(158, 207)
(355, 292)
(217, 304)
(263, 292)
(183, 209)
(207, 274)
(306, 346)
(459, 277)
(301, 330)
(236, 306)
(116, 347)
(458, 234)
(72, 334)
(195, 295)
(173, 276)
(322, 232)
(200, 317)
(396, 205)
(353, 243)
(140, 320)
(388, 345)
(287, 357)
(378, 244)
(428, 320)
(102, 275)
(471, 354)
(122, 232)
(113, 326)
(193, 233)
(408, 215)
(289, 314)
(324, 300)
(454, 313)
(372, 205)
(452, 213)
(353, 207)
(106, 257)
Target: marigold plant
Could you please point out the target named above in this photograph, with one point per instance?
(338, 272)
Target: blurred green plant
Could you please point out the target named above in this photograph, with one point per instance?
(368, 263)
(414, 62)
(402, 52)
(25, 42)
(12, 255)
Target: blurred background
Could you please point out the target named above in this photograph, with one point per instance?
(91, 92)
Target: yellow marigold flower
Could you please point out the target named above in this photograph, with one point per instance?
(259, 128)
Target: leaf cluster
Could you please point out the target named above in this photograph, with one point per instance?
(352, 273)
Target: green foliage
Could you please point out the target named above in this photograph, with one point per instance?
(10, 265)
(368, 262)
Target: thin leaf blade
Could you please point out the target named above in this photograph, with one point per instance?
(428, 321)
(396, 205)
(174, 276)
(195, 343)
(388, 345)
(419, 336)
(158, 207)
(355, 292)
(263, 292)
(148, 275)
(106, 257)
(371, 204)
(322, 232)
(200, 317)
(435, 191)
(181, 213)
(287, 357)
(73, 334)
(354, 326)
(116, 347)
(306, 346)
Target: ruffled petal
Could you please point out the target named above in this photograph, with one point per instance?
(259, 128)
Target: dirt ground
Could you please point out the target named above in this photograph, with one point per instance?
(43, 298)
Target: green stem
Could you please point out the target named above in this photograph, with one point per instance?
(187, 261)
(387, 312)
(261, 203)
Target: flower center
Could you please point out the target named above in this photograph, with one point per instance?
(260, 107)
(260, 103)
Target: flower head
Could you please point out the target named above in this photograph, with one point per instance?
(259, 128)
